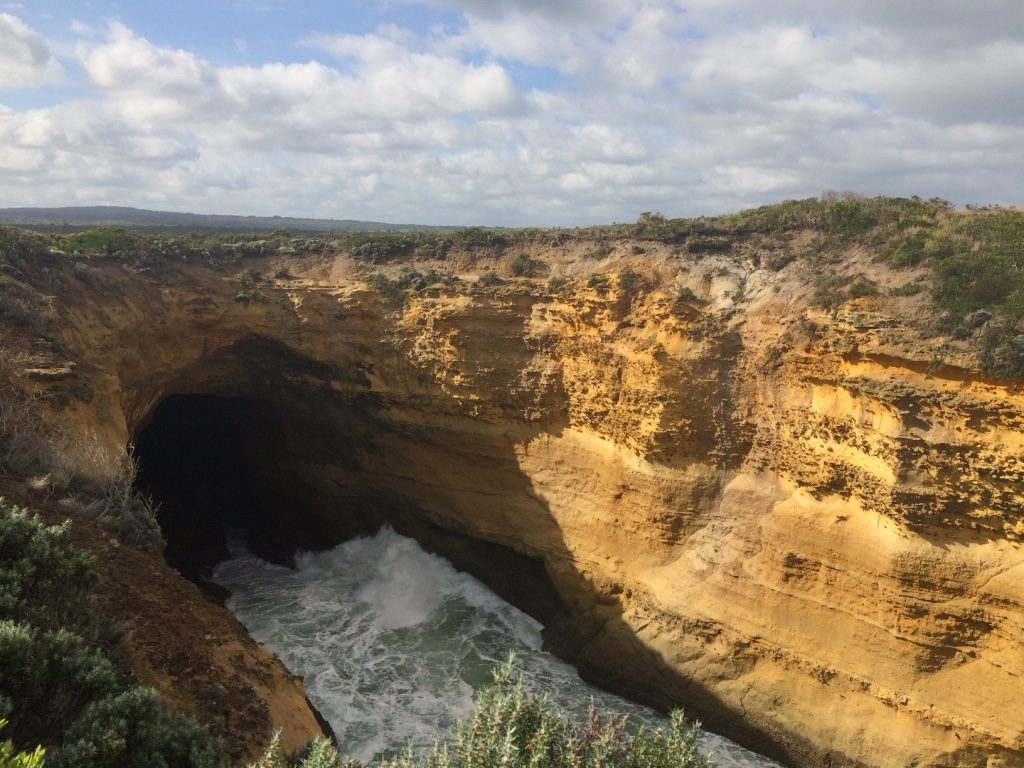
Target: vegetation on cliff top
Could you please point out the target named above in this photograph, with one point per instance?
(975, 257)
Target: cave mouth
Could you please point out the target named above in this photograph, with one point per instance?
(200, 459)
(218, 466)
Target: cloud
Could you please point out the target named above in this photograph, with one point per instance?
(26, 59)
(81, 28)
(655, 106)
(393, 79)
(586, 12)
(920, 25)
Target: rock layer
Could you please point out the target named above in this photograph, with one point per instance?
(786, 520)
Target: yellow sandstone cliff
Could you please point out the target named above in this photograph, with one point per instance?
(792, 521)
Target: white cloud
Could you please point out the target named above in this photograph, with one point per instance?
(26, 59)
(81, 28)
(132, 64)
(579, 12)
(391, 79)
(640, 106)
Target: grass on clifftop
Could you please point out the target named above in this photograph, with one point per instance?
(975, 257)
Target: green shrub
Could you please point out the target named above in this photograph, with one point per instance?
(16, 244)
(907, 289)
(966, 281)
(1002, 352)
(776, 262)
(906, 252)
(1013, 305)
(57, 687)
(390, 290)
(46, 679)
(631, 282)
(510, 728)
(43, 579)
(705, 244)
(523, 266)
(134, 730)
(379, 248)
(557, 283)
(828, 291)
(395, 290)
(862, 287)
(599, 283)
(684, 301)
(249, 296)
(488, 278)
(9, 758)
(847, 218)
(103, 240)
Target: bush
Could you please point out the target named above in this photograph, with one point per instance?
(684, 301)
(1002, 352)
(43, 579)
(390, 290)
(907, 289)
(134, 730)
(828, 291)
(57, 686)
(119, 506)
(509, 728)
(11, 759)
(378, 248)
(249, 296)
(25, 442)
(557, 283)
(488, 278)
(394, 290)
(862, 287)
(703, 244)
(52, 676)
(631, 282)
(523, 266)
(906, 252)
(103, 240)
(968, 281)
(599, 283)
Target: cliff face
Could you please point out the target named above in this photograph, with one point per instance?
(793, 522)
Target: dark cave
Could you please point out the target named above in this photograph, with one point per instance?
(218, 465)
(197, 458)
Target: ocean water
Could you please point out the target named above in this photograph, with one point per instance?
(392, 641)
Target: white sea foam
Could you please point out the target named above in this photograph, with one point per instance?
(392, 641)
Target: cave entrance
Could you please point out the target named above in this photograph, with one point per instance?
(202, 459)
(290, 475)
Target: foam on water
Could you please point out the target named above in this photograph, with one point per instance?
(392, 641)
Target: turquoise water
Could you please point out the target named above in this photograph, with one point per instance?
(392, 641)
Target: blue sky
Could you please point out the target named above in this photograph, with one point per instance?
(506, 111)
(231, 31)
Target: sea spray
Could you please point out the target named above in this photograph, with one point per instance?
(392, 641)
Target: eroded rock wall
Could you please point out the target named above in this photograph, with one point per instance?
(790, 521)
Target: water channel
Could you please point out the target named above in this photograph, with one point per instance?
(392, 641)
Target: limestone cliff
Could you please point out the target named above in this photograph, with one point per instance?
(790, 519)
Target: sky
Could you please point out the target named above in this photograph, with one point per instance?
(507, 112)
